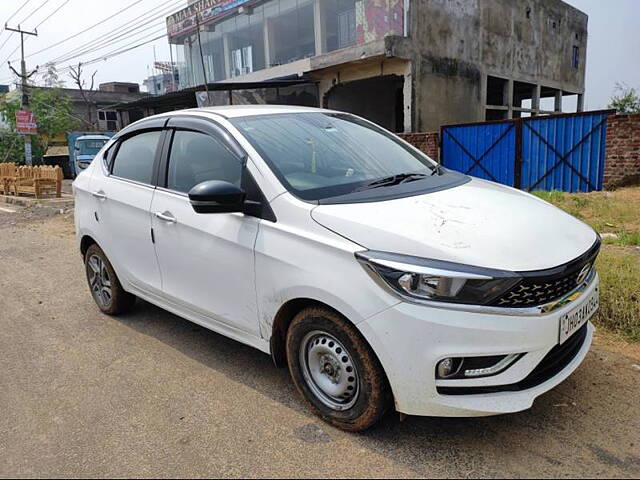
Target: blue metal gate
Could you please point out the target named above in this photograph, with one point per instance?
(557, 152)
(483, 150)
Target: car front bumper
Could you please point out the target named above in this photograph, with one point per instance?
(410, 340)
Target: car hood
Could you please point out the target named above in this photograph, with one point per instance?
(479, 223)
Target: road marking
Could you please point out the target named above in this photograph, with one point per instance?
(8, 210)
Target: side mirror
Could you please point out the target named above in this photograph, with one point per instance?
(217, 197)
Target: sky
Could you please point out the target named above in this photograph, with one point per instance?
(613, 50)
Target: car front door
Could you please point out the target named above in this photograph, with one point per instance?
(206, 260)
(122, 197)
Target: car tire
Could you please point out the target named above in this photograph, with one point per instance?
(105, 287)
(336, 371)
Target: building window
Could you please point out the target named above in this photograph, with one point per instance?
(575, 61)
(108, 120)
(242, 59)
(347, 28)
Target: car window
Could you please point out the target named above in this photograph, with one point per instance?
(196, 158)
(135, 157)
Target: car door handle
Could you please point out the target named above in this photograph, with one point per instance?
(100, 195)
(166, 216)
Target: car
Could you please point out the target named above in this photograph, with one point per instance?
(381, 279)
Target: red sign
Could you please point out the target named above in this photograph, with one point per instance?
(26, 122)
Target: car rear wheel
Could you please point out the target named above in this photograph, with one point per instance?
(336, 370)
(104, 284)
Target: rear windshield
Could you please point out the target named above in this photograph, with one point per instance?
(323, 155)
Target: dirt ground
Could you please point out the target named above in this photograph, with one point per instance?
(152, 395)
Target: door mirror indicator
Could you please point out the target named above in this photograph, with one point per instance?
(215, 196)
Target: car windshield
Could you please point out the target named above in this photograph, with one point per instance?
(323, 155)
(90, 147)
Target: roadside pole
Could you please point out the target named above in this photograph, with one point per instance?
(24, 77)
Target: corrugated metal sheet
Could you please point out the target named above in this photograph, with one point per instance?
(485, 151)
(564, 153)
(557, 152)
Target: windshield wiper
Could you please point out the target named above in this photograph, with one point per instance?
(393, 180)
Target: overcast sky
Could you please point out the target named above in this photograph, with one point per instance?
(613, 50)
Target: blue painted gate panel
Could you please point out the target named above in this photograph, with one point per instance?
(486, 150)
(564, 153)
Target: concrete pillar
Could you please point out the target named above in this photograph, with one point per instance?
(227, 56)
(535, 100)
(558, 106)
(320, 26)
(268, 42)
(509, 98)
(580, 102)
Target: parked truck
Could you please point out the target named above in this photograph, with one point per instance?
(83, 147)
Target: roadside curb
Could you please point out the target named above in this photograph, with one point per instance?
(37, 202)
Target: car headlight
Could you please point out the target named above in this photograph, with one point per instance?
(436, 280)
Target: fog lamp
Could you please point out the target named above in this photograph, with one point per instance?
(448, 367)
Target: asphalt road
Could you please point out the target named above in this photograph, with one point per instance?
(150, 394)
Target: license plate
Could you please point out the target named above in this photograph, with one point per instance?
(576, 318)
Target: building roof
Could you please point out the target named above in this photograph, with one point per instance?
(186, 98)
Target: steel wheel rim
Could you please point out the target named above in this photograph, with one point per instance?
(99, 281)
(329, 371)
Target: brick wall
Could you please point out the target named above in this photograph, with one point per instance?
(622, 166)
(429, 143)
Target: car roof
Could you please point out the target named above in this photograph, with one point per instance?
(236, 111)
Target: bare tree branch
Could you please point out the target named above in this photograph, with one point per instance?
(87, 95)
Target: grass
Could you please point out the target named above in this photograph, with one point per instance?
(620, 292)
(616, 213)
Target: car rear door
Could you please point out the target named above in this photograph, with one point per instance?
(206, 260)
(122, 193)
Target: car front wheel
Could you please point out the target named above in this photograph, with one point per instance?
(336, 370)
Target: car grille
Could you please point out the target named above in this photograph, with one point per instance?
(558, 358)
(539, 288)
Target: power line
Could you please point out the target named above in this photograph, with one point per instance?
(100, 46)
(35, 11)
(53, 13)
(115, 53)
(86, 29)
(118, 34)
(9, 19)
(47, 18)
(17, 12)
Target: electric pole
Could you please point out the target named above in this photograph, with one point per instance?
(24, 77)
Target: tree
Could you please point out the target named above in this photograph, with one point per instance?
(53, 113)
(51, 78)
(87, 95)
(625, 99)
(11, 146)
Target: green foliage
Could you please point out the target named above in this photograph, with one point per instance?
(11, 146)
(53, 113)
(625, 99)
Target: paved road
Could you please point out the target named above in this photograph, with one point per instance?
(150, 394)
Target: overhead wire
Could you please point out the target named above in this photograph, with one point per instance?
(86, 29)
(52, 13)
(34, 12)
(118, 34)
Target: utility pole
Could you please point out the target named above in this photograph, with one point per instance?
(24, 77)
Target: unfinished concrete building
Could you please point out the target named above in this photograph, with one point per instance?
(409, 65)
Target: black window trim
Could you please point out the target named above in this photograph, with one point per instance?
(210, 127)
(205, 128)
